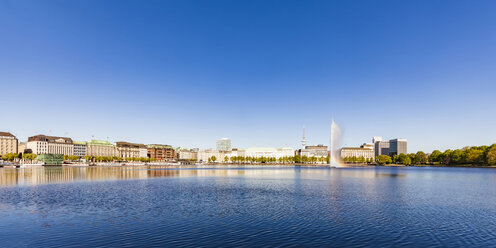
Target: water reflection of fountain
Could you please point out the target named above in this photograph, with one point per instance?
(334, 145)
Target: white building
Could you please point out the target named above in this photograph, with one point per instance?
(366, 151)
(186, 154)
(41, 144)
(313, 151)
(143, 152)
(224, 144)
(80, 149)
(267, 152)
(204, 155)
(8, 143)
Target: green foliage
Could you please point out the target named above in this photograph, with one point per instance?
(405, 159)
(435, 156)
(383, 159)
(420, 158)
(10, 156)
(474, 155)
(29, 156)
(491, 155)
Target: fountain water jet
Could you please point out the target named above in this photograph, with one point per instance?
(335, 158)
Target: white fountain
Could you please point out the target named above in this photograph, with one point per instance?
(334, 145)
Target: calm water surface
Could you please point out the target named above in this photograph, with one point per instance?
(236, 206)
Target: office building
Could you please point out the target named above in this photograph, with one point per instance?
(42, 144)
(161, 152)
(8, 143)
(131, 150)
(224, 144)
(186, 154)
(80, 149)
(313, 151)
(101, 148)
(366, 151)
(397, 146)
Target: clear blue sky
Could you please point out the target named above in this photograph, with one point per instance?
(186, 73)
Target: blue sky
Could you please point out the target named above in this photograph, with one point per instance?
(189, 72)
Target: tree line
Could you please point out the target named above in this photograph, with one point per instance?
(473, 155)
(16, 156)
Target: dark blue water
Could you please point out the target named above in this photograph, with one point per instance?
(248, 207)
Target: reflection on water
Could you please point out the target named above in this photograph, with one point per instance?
(44, 175)
(247, 206)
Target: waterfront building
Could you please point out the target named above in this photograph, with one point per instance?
(224, 144)
(204, 155)
(160, 152)
(186, 154)
(80, 148)
(143, 151)
(313, 151)
(366, 151)
(397, 146)
(101, 148)
(131, 150)
(8, 143)
(21, 148)
(42, 144)
(380, 147)
(267, 152)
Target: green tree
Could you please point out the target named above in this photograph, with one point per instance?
(420, 158)
(213, 158)
(491, 155)
(226, 159)
(435, 156)
(473, 155)
(457, 157)
(383, 159)
(404, 159)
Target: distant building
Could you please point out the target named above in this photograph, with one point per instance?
(161, 152)
(131, 150)
(313, 151)
(267, 152)
(224, 144)
(42, 144)
(21, 148)
(366, 151)
(101, 148)
(8, 143)
(380, 147)
(186, 154)
(80, 149)
(397, 147)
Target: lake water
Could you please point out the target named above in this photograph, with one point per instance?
(248, 206)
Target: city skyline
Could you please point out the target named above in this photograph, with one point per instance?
(187, 73)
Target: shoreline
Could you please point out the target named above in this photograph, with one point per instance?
(250, 165)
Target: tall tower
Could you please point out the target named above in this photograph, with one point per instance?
(303, 141)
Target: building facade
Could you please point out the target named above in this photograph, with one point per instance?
(131, 150)
(313, 151)
(366, 151)
(161, 152)
(42, 144)
(397, 146)
(186, 154)
(224, 144)
(101, 148)
(267, 152)
(381, 148)
(8, 143)
(80, 149)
